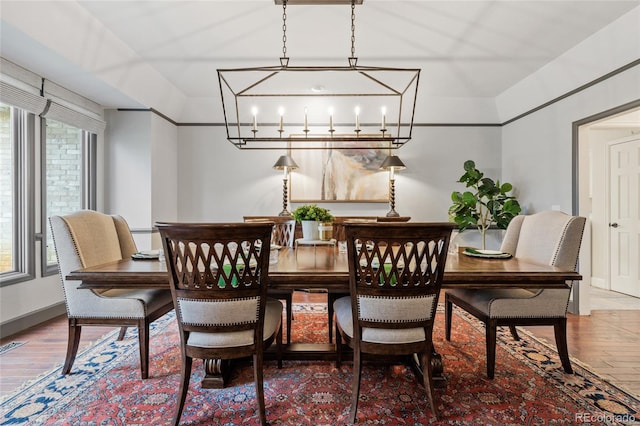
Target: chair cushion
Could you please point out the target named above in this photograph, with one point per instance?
(344, 317)
(218, 311)
(516, 303)
(273, 317)
(120, 303)
(396, 310)
(152, 300)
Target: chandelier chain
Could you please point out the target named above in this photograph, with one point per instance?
(284, 28)
(353, 28)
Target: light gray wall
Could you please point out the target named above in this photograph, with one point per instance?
(128, 165)
(218, 182)
(141, 158)
(537, 149)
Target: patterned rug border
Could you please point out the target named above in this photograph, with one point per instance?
(40, 399)
(51, 390)
(575, 361)
(310, 308)
(622, 410)
(10, 346)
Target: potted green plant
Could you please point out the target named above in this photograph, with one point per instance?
(310, 216)
(486, 202)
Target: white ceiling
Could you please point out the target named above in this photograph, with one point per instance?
(466, 49)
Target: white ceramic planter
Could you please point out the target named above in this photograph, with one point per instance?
(310, 230)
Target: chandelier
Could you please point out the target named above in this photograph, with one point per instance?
(318, 107)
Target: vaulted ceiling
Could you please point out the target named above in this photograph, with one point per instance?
(116, 52)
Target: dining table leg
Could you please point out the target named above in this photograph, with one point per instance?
(216, 373)
(437, 366)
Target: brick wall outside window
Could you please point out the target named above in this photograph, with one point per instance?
(64, 174)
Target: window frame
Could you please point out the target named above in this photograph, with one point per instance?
(23, 209)
(88, 186)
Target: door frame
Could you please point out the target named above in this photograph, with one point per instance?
(579, 303)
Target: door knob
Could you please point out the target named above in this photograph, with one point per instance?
(613, 225)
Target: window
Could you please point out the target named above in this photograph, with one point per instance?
(17, 130)
(68, 178)
(66, 165)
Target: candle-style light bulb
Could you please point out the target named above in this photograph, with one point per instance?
(384, 118)
(331, 119)
(392, 173)
(254, 111)
(306, 123)
(357, 119)
(281, 112)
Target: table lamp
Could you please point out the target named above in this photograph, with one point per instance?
(285, 163)
(392, 163)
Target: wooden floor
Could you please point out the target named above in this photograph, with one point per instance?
(607, 340)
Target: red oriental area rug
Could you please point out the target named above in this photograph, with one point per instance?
(530, 387)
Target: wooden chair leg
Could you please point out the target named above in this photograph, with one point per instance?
(448, 310)
(123, 331)
(331, 298)
(357, 370)
(491, 328)
(289, 301)
(279, 347)
(73, 342)
(330, 316)
(427, 377)
(560, 331)
(338, 347)
(143, 342)
(258, 373)
(514, 333)
(185, 375)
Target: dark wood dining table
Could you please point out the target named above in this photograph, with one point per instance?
(324, 267)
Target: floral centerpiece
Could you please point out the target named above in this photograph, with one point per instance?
(312, 212)
(310, 216)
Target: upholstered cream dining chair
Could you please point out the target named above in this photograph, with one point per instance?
(548, 237)
(88, 238)
(395, 276)
(219, 274)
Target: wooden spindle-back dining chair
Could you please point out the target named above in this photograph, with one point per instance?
(339, 234)
(219, 276)
(395, 276)
(283, 235)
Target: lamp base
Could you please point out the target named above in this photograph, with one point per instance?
(284, 212)
(393, 213)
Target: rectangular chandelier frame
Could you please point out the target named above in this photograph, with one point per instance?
(331, 106)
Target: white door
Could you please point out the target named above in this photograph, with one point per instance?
(624, 215)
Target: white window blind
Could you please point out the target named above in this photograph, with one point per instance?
(70, 108)
(20, 88)
(24, 89)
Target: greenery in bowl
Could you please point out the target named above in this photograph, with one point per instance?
(487, 203)
(312, 212)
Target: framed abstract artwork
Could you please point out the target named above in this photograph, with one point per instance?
(340, 175)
